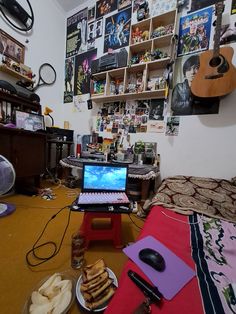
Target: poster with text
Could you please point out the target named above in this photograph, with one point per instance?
(83, 72)
(69, 80)
(104, 7)
(76, 36)
(194, 32)
(117, 30)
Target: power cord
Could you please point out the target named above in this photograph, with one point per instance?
(134, 222)
(33, 251)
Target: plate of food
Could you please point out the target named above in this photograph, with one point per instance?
(54, 294)
(96, 286)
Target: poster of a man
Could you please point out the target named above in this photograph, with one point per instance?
(183, 102)
(69, 73)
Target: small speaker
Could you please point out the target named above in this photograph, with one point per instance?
(122, 58)
(94, 66)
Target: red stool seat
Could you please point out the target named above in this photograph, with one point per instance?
(93, 234)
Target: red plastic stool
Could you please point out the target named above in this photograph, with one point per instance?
(113, 233)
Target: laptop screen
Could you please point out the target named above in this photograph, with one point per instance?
(104, 177)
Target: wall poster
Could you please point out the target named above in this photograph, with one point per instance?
(69, 80)
(117, 30)
(183, 102)
(197, 5)
(233, 7)
(76, 35)
(104, 7)
(83, 72)
(194, 32)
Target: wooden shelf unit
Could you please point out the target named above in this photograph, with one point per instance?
(149, 69)
(14, 73)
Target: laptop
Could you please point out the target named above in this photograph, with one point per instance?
(104, 187)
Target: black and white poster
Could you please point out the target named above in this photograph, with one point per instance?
(183, 102)
(76, 36)
(69, 80)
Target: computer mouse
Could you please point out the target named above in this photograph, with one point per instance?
(152, 258)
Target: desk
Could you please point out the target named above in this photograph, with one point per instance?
(59, 148)
(145, 173)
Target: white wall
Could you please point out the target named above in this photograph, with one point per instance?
(205, 145)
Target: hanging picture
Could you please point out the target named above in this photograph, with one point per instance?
(233, 8)
(123, 4)
(194, 32)
(197, 5)
(104, 7)
(156, 109)
(228, 34)
(162, 6)
(91, 13)
(172, 126)
(11, 48)
(91, 36)
(83, 72)
(183, 102)
(76, 36)
(156, 126)
(69, 80)
(136, 4)
(117, 30)
(98, 28)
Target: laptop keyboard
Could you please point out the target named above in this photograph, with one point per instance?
(103, 198)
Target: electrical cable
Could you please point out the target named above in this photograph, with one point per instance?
(184, 222)
(56, 248)
(134, 222)
(14, 6)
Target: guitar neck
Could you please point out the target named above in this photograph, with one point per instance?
(219, 9)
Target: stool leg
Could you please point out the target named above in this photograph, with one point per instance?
(117, 232)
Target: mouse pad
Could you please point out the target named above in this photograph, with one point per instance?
(176, 274)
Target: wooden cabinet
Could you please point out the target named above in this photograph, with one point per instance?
(26, 150)
(148, 57)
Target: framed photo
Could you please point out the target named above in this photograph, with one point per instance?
(29, 121)
(11, 48)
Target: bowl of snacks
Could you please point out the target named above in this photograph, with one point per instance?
(96, 286)
(53, 294)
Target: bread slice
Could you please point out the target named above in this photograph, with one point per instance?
(93, 270)
(94, 282)
(104, 297)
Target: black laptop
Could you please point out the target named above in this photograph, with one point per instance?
(104, 187)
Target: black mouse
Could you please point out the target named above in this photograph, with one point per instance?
(152, 258)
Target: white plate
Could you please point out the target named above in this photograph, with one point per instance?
(80, 297)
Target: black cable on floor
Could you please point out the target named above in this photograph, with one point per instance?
(36, 247)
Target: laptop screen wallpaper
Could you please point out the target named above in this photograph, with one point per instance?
(108, 178)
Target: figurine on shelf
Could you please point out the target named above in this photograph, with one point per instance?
(143, 10)
(136, 36)
(145, 35)
(147, 56)
(134, 60)
(157, 54)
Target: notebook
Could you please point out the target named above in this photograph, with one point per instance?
(103, 184)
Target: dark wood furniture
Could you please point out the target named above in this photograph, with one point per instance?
(26, 150)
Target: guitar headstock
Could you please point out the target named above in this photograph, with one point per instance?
(219, 7)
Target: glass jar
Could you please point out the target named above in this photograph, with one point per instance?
(77, 250)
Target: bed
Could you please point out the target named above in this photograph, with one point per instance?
(196, 221)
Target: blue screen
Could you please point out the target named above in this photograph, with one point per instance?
(98, 177)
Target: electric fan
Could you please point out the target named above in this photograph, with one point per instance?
(7, 180)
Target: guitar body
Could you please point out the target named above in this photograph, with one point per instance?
(216, 76)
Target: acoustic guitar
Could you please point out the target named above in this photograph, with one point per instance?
(216, 75)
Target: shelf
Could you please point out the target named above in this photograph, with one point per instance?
(158, 64)
(135, 96)
(163, 41)
(13, 73)
(142, 46)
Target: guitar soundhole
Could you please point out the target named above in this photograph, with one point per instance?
(215, 62)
